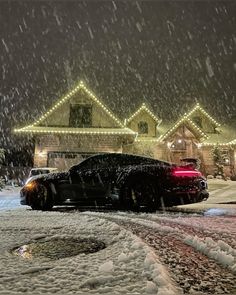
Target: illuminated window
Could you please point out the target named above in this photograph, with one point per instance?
(80, 115)
(143, 127)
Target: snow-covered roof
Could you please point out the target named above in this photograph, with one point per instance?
(67, 97)
(143, 108)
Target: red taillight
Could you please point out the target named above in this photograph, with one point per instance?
(181, 172)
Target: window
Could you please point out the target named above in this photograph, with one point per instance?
(143, 127)
(80, 115)
(198, 121)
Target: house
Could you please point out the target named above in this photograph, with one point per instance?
(79, 125)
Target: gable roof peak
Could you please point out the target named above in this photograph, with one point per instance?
(198, 107)
(145, 108)
(66, 98)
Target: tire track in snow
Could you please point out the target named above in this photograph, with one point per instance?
(192, 270)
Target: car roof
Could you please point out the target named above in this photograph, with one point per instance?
(119, 156)
(44, 168)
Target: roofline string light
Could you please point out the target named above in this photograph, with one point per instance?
(219, 144)
(186, 117)
(198, 107)
(66, 98)
(76, 131)
(31, 128)
(142, 108)
(233, 142)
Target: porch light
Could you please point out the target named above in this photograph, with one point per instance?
(41, 154)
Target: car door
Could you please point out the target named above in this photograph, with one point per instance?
(94, 187)
(77, 187)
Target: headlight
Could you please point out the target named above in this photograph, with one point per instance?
(30, 185)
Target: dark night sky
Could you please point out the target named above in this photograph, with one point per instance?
(169, 54)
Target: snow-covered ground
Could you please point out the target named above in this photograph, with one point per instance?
(125, 266)
(128, 265)
(222, 195)
(160, 253)
(9, 198)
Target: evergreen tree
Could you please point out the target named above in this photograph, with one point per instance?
(2, 155)
(2, 158)
(218, 160)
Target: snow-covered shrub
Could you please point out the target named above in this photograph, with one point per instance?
(210, 176)
(218, 177)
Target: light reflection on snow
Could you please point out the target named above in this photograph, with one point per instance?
(218, 212)
(24, 252)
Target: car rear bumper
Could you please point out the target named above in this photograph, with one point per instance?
(184, 197)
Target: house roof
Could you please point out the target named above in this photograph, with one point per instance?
(226, 134)
(201, 110)
(64, 99)
(185, 120)
(169, 129)
(233, 142)
(141, 109)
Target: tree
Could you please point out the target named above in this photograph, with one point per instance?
(217, 154)
(2, 155)
(218, 160)
(2, 158)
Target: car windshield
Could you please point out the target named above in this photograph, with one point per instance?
(39, 171)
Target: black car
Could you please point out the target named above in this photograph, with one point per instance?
(119, 181)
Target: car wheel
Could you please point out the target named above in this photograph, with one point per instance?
(138, 194)
(42, 200)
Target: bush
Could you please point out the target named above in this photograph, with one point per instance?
(233, 177)
(210, 176)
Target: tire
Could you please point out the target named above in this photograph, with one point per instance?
(139, 194)
(42, 200)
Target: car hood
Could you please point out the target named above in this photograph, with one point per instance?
(48, 176)
(32, 178)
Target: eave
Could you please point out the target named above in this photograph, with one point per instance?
(69, 130)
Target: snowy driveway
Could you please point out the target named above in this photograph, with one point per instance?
(165, 253)
(9, 198)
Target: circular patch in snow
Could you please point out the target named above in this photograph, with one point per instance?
(57, 248)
